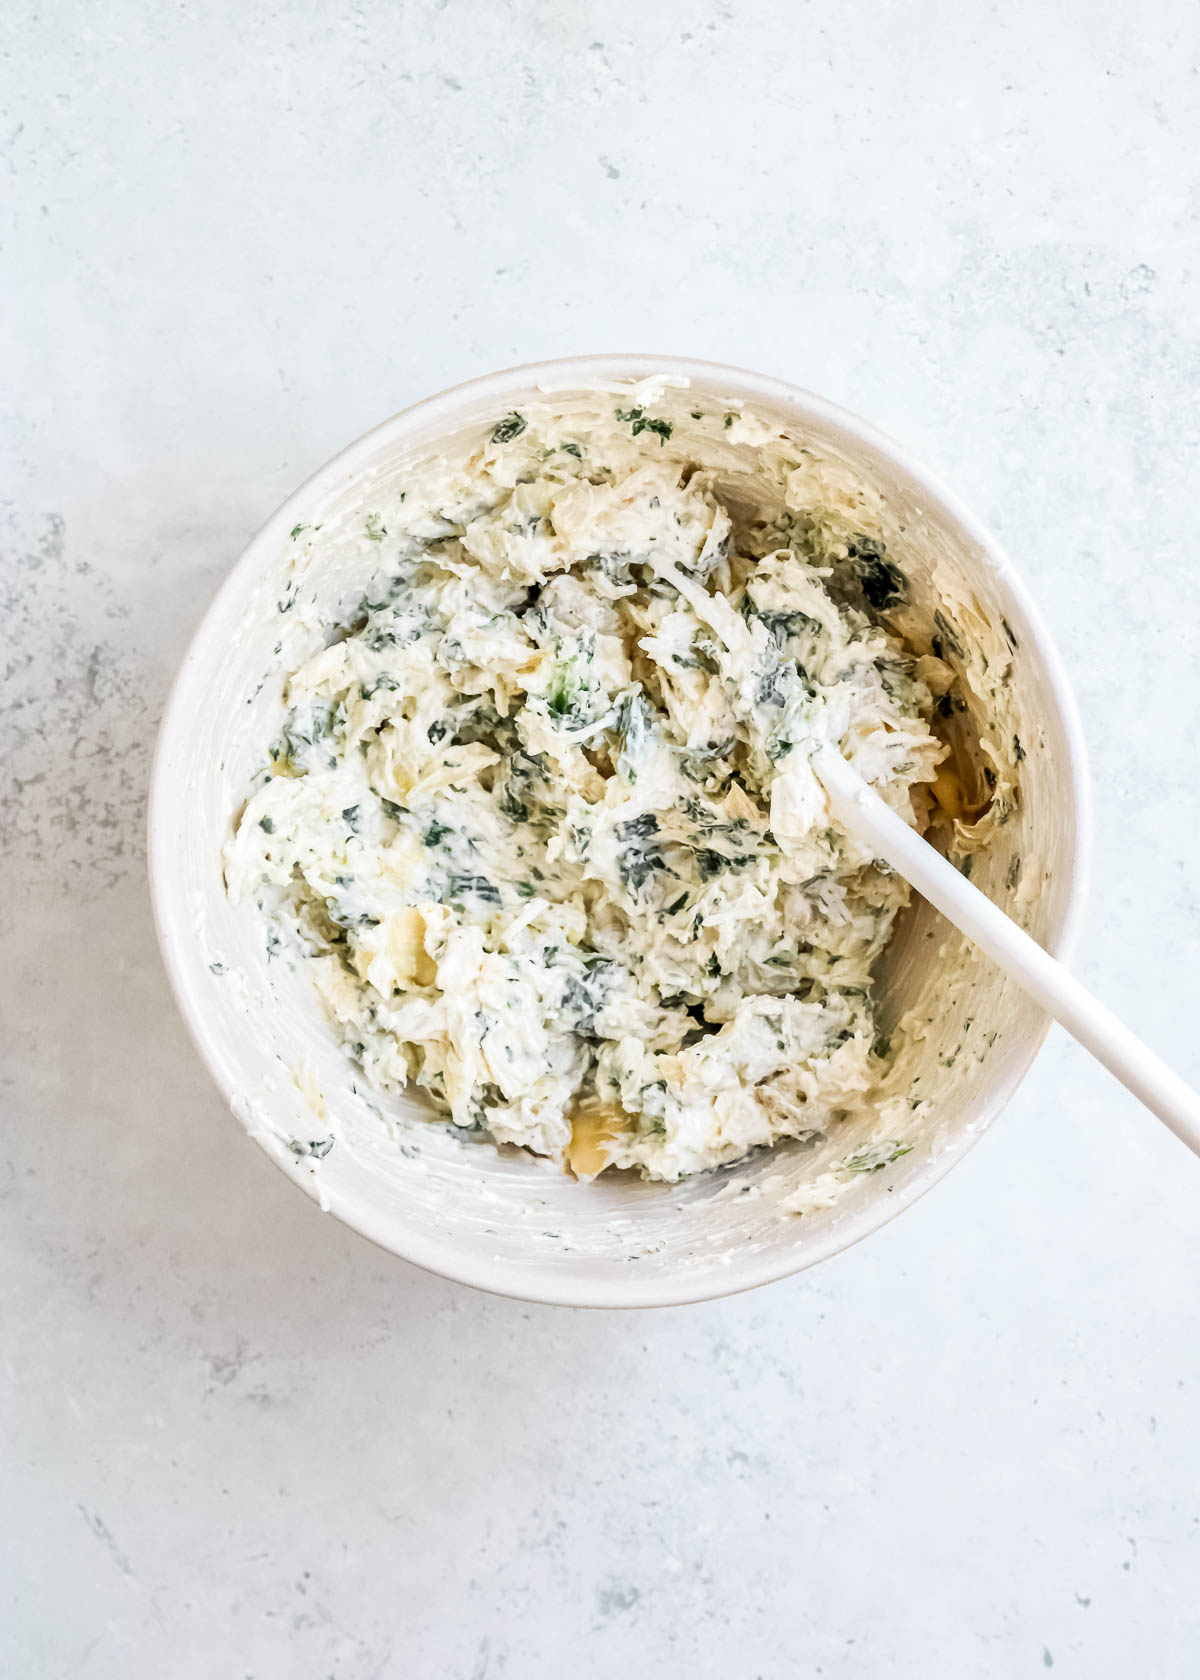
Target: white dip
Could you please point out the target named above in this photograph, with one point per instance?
(542, 819)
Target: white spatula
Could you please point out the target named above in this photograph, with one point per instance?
(859, 809)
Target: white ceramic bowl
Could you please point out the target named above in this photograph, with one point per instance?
(503, 1221)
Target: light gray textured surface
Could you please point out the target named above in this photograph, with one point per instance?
(240, 1441)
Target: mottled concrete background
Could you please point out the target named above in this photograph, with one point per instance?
(239, 1441)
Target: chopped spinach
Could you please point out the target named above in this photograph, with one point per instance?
(774, 686)
(711, 862)
(509, 428)
(638, 828)
(947, 638)
(585, 995)
(475, 886)
(639, 856)
(875, 1157)
(632, 724)
(881, 582)
(317, 1148)
(643, 422)
(782, 626)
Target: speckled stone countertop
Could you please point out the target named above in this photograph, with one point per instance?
(238, 1440)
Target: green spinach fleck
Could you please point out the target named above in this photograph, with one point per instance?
(875, 1157)
(318, 1147)
(474, 886)
(585, 995)
(509, 428)
(639, 856)
(881, 582)
(947, 639)
(643, 422)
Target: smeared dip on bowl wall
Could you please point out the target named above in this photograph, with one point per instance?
(548, 842)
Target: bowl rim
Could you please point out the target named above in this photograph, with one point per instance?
(537, 1280)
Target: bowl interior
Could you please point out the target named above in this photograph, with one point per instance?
(503, 1220)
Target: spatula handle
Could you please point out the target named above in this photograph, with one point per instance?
(859, 809)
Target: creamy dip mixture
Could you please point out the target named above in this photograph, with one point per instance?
(542, 820)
